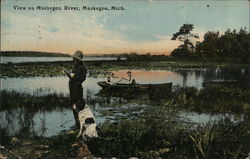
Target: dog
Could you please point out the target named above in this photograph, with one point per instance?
(88, 126)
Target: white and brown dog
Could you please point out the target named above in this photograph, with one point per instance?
(88, 127)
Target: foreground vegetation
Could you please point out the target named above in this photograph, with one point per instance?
(154, 133)
(151, 136)
(155, 136)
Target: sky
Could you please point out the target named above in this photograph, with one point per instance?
(144, 26)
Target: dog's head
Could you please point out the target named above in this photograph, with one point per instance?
(78, 106)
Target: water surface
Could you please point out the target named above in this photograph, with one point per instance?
(106, 108)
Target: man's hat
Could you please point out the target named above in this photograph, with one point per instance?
(78, 55)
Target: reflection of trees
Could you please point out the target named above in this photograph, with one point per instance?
(21, 109)
(235, 73)
(238, 74)
(43, 124)
(229, 73)
(184, 74)
(26, 122)
(9, 116)
(19, 122)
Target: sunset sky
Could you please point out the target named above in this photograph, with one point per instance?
(144, 26)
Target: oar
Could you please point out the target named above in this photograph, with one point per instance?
(112, 85)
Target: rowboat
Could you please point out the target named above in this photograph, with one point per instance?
(141, 87)
(157, 93)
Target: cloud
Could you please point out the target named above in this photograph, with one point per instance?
(54, 33)
(127, 27)
(53, 30)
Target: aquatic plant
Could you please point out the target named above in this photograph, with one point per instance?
(94, 68)
(33, 102)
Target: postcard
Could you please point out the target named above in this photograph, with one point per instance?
(138, 79)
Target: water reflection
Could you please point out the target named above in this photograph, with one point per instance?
(203, 118)
(107, 106)
(44, 123)
(179, 77)
(46, 85)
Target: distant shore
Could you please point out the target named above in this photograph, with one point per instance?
(46, 54)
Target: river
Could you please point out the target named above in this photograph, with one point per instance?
(51, 122)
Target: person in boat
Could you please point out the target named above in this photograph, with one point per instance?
(76, 77)
(111, 82)
(108, 80)
(130, 79)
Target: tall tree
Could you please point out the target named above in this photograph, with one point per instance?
(184, 34)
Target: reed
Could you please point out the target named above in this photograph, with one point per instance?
(33, 101)
(215, 99)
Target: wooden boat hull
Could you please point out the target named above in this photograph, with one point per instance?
(157, 93)
(122, 86)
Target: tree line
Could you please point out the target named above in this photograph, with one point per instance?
(230, 45)
(133, 56)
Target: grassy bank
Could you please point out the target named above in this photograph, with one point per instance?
(99, 67)
(153, 135)
(162, 137)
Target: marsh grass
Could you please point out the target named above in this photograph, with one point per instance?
(144, 138)
(33, 102)
(224, 139)
(202, 140)
(214, 98)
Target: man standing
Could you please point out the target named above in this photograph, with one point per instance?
(76, 77)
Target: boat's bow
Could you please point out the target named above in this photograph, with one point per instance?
(104, 84)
